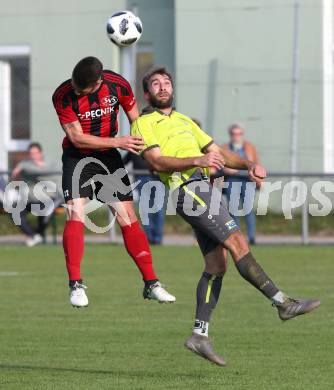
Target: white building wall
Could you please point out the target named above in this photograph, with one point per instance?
(234, 63)
(59, 34)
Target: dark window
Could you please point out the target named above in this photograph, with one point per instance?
(20, 96)
(20, 80)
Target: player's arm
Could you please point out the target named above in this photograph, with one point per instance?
(133, 114)
(161, 163)
(229, 171)
(80, 140)
(232, 160)
(128, 102)
(16, 172)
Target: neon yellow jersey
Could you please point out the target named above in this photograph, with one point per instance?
(177, 136)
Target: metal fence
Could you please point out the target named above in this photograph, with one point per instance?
(308, 181)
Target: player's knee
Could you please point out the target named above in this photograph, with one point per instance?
(125, 220)
(221, 270)
(222, 266)
(125, 213)
(217, 268)
(216, 261)
(75, 211)
(237, 245)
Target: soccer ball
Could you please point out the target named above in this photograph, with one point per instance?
(124, 28)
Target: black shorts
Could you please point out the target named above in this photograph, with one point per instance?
(101, 174)
(202, 206)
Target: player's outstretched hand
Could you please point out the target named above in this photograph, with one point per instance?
(257, 173)
(211, 160)
(130, 143)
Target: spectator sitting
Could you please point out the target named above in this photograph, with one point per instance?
(154, 230)
(244, 148)
(30, 170)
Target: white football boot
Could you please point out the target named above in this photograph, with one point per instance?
(157, 292)
(78, 297)
(34, 240)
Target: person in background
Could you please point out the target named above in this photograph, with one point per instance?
(244, 149)
(2, 191)
(155, 228)
(30, 170)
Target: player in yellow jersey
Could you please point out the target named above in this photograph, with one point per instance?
(184, 156)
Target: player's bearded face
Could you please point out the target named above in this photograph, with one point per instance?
(160, 92)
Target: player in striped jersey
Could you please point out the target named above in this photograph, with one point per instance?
(87, 106)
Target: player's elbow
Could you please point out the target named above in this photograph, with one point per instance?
(159, 166)
(78, 144)
(77, 141)
(156, 163)
(156, 166)
(152, 162)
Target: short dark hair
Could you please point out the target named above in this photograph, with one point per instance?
(156, 70)
(35, 145)
(87, 72)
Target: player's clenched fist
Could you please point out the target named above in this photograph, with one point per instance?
(257, 173)
(130, 143)
(211, 160)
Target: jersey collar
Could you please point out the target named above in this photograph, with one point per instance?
(151, 109)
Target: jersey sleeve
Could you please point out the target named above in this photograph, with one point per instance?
(203, 139)
(141, 128)
(64, 109)
(126, 97)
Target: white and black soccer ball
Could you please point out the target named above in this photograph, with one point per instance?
(124, 28)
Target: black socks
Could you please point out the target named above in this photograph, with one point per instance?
(208, 290)
(250, 270)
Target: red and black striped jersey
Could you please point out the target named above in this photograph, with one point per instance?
(96, 112)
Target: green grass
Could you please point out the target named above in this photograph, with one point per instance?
(121, 342)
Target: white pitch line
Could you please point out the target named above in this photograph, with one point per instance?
(9, 274)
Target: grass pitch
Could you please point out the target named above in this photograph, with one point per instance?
(121, 342)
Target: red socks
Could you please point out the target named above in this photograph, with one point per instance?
(135, 241)
(73, 243)
(136, 244)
